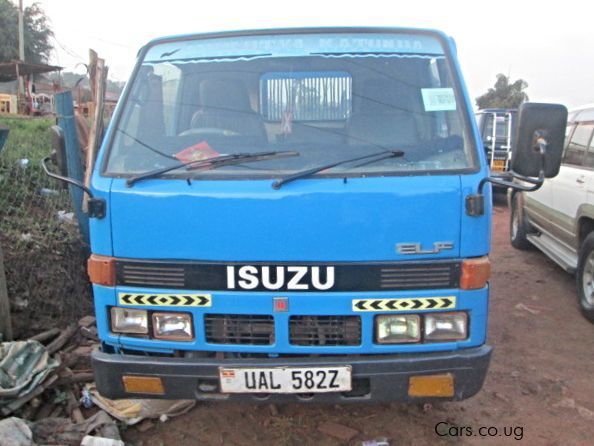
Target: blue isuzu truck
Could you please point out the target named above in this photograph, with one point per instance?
(298, 215)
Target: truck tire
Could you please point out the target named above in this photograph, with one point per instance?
(518, 228)
(585, 277)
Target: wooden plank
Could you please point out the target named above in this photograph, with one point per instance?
(98, 75)
(5, 322)
(59, 342)
(45, 335)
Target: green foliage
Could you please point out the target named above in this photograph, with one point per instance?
(36, 29)
(504, 94)
(44, 256)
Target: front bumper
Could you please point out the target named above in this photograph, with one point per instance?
(376, 378)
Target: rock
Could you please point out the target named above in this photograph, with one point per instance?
(530, 310)
(339, 431)
(585, 413)
(565, 403)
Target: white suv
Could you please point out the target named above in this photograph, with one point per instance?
(559, 217)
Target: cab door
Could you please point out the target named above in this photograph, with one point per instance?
(571, 185)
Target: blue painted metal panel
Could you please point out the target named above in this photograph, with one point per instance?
(326, 304)
(287, 45)
(307, 220)
(65, 115)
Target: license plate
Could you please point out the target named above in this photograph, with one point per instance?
(285, 379)
(498, 165)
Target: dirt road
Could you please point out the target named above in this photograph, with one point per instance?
(539, 390)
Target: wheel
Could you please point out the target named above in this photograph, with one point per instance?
(585, 277)
(518, 228)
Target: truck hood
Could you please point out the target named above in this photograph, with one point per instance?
(359, 219)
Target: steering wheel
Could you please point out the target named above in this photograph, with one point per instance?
(213, 131)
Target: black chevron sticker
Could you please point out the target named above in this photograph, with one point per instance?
(361, 305)
(166, 300)
(418, 303)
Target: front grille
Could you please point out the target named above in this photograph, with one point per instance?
(421, 276)
(214, 276)
(157, 275)
(242, 329)
(325, 330)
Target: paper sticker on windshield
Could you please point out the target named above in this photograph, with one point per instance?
(438, 99)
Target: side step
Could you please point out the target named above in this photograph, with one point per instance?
(565, 258)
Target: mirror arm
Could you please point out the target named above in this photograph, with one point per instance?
(508, 180)
(96, 205)
(475, 204)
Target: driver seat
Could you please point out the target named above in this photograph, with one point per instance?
(225, 104)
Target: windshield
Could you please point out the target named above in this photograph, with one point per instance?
(329, 97)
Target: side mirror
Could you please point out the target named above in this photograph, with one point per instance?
(538, 123)
(3, 136)
(536, 152)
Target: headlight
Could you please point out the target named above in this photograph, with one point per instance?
(173, 326)
(127, 320)
(396, 329)
(446, 326)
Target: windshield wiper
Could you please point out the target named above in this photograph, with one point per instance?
(146, 146)
(305, 173)
(212, 163)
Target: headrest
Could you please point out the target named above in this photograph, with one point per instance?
(384, 96)
(224, 94)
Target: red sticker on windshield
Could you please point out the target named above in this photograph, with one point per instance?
(196, 152)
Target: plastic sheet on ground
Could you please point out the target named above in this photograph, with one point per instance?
(23, 366)
(15, 432)
(133, 411)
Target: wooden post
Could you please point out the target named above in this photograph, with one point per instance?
(65, 115)
(5, 322)
(98, 79)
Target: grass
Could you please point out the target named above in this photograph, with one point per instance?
(44, 254)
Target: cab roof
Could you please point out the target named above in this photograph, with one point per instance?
(299, 30)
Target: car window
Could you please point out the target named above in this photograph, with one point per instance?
(574, 153)
(589, 161)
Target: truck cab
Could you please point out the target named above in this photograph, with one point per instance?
(286, 218)
(496, 127)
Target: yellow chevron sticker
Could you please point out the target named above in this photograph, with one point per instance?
(166, 300)
(414, 304)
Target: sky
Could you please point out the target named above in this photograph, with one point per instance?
(548, 44)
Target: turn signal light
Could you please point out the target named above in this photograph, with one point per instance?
(101, 270)
(475, 273)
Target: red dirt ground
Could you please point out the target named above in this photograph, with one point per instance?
(541, 379)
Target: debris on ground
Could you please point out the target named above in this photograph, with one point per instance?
(47, 390)
(15, 432)
(132, 411)
(25, 372)
(337, 430)
(42, 381)
(376, 442)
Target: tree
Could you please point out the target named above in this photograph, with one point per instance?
(36, 30)
(504, 94)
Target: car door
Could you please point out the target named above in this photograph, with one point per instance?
(570, 186)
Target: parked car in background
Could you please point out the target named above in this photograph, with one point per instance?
(559, 217)
(496, 127)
